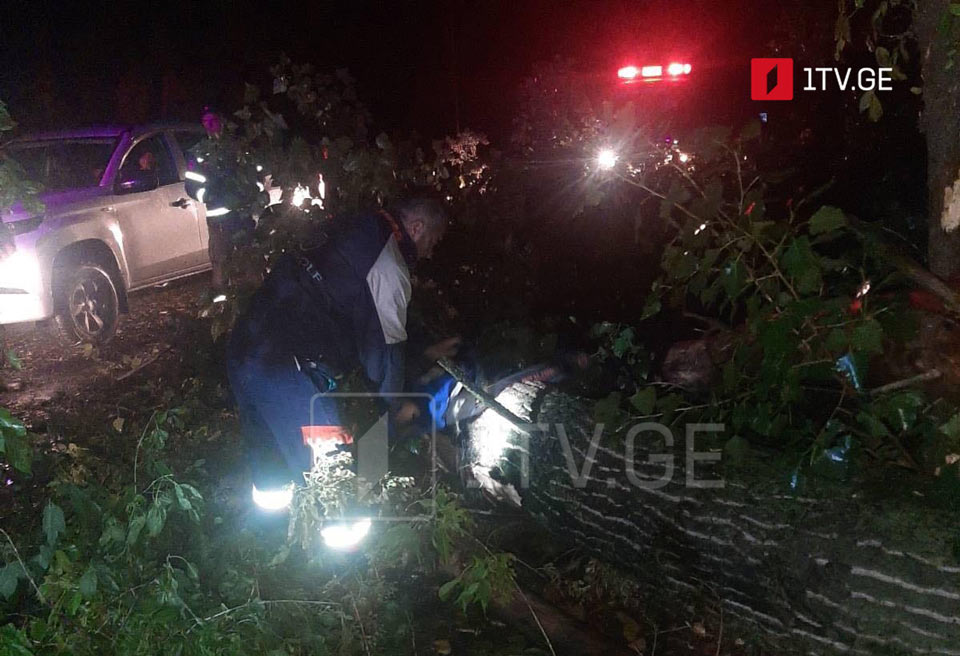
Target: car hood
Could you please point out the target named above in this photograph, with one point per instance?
(58, 203)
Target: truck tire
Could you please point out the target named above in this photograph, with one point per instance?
(88, 306)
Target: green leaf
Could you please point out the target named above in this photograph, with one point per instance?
(734, 279)
(874, 426)
(88, 583)
(53, 522)
(868, 337)
(156, 517)
(447, 588)
(952, 427)
(13, 360)
(9, 576)
(19, 453)
(801, 263)
(10, 424)
(74, 604)
(607, 410)
(134, 529)
(644, 400)
(775, 339)
(826, 219)
(651, 307)
(883, 56)
(836, 341)
(15, 642)
(181, 498)
(955, 9)
(623, 344)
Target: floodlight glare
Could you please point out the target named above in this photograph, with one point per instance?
(273, 500)
(344, 535)
(607, 159)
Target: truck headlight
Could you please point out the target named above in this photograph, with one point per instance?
(19, 273)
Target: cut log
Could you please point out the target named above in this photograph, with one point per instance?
(841, 573)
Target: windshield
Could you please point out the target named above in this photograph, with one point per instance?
(65, 164)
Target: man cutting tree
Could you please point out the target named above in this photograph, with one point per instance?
(319, 315)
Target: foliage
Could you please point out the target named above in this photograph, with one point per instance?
(486, 578)
(15, 188)
(800, 305)
(157, 562)
(886, 28)
(308, 136)
(14, 442)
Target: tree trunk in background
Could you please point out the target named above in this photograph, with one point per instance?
(838, 574)
(938, 34)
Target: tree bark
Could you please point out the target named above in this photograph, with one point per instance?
(938, 35)
(842, 573)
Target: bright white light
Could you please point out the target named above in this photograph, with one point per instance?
(684, 157)
(220, 298)
(196, 177)
(686, 69)
(651, 71)
(606, 159)
(220, 211)
(494, 438)
(259, 168)
(345, 536)
(20, 270)
(628, 72)
(273, 499)
(260, 186)
(199, 160)
(675, 69)
(200, 193)
(300, 194)
(321, 187)
(703, 226)
(493, 432)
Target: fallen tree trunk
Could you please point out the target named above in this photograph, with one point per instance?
(834, 574)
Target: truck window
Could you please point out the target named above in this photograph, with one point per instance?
(151, 154)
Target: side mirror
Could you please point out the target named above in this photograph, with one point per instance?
(140, 181)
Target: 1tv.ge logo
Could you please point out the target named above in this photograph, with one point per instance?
(771, 78)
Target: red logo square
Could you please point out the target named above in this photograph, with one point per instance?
(771, 78)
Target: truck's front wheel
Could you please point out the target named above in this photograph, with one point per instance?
(88, 307)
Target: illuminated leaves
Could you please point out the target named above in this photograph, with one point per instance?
(9, 576)
(53, 522)
(14, 443)
(871, 104)
(827, 219)
(802, 265)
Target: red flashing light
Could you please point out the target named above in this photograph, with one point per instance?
(674, 70)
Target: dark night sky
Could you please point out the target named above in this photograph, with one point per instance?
(62, 62)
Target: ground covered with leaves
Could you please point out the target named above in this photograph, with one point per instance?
(127, 528)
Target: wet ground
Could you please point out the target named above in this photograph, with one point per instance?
(152, 342)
